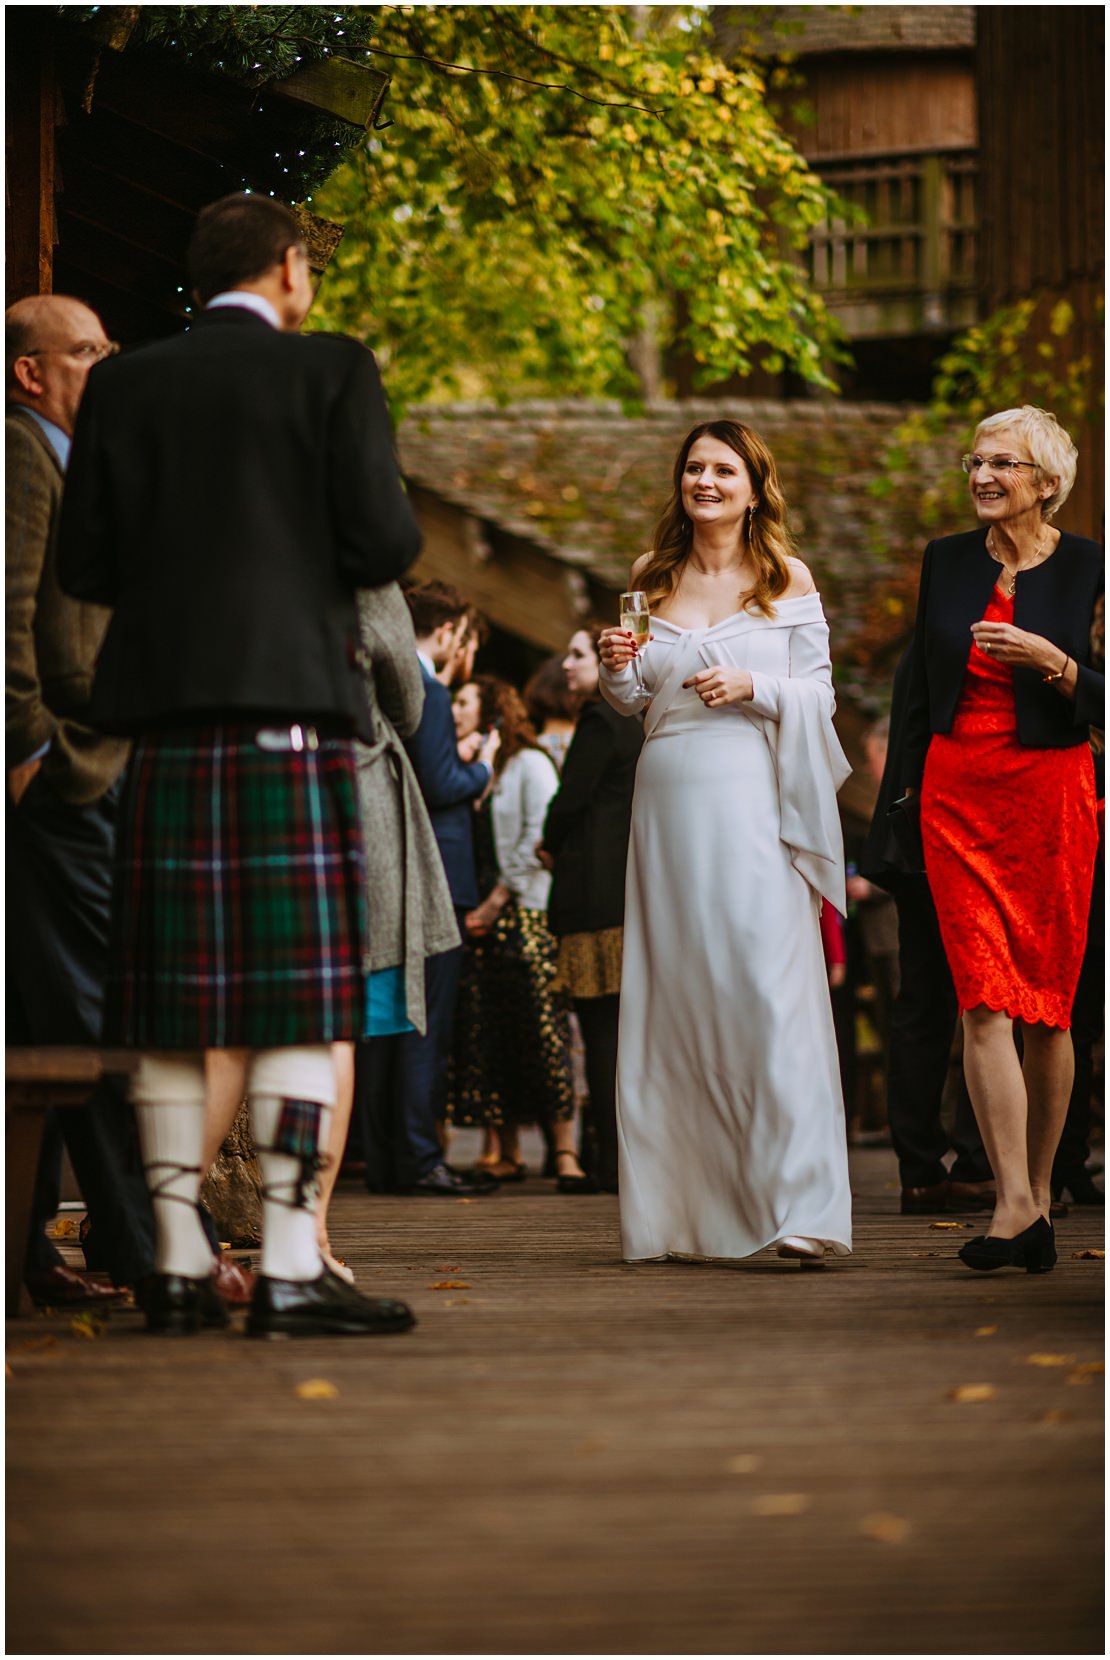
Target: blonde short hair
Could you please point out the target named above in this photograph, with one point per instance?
(1049, 445)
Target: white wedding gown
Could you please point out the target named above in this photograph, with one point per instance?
(729, 1107)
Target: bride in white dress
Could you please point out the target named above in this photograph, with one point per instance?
(730, 1115)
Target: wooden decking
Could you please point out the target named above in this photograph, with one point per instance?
(574, 1455)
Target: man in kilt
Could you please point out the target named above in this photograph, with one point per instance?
(229, 490)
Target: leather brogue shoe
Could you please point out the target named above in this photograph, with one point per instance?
(323, 1307)
(176, 1305)
(925, 1201)
(451, 1184)
(234, 1283)
(62, 1287)
(971, 1195)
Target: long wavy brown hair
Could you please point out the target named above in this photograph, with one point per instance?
(768, 540)
(502, 705)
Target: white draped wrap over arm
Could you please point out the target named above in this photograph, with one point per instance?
(797, 718)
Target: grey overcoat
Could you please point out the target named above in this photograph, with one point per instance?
(411, 914)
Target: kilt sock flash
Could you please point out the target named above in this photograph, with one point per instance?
(291, 1094)
(168, 1094)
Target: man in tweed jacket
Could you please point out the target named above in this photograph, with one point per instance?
(62, 798)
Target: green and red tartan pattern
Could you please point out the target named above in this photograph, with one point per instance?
(238, 906)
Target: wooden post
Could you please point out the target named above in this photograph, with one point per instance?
(32, 113)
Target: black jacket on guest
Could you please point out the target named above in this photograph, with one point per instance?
(588, 822)
(1056, 600)
(227, 493)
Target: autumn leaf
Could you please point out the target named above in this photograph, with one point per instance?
(1088, 1256)
(88, 1326)
(781, 1504)
(454, 1302)
(64, 1228)
(885, 1528)
(969, 1393)
(985, 1331)
(450, 1285)
(1085, 1372)
(1049, 1360)
(744, 1464)
(316, 1389)
(1053, 1416)
(950, 1225)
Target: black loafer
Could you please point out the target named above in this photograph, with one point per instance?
(451, 1184)
(177, 1305)
(324, 1307)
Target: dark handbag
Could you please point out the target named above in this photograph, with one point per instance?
(904, 819)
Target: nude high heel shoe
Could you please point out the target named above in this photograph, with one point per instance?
(810, 1253)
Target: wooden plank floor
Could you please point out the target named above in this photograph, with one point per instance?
(574, 1455)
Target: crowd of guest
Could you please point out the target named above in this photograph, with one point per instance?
(459, 940)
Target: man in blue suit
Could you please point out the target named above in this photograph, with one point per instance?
(401, 1081)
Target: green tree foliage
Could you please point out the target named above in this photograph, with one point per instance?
(1026, 353)
(557, 181)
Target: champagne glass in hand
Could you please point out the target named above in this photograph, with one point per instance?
(636, 618)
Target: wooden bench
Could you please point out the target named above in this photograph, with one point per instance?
(36, 1080)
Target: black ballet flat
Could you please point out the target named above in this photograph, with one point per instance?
(1034, 1249)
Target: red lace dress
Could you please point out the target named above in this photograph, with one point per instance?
(1010, 837)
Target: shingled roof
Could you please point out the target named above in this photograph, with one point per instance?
(810, 31)
(586, 483)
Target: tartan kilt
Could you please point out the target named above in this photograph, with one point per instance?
(239, 895)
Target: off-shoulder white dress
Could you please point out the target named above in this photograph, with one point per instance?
(730, 1114)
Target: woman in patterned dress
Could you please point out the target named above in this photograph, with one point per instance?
(1003, 700)
(511, 1062)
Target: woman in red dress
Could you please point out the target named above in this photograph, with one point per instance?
(1004, 697)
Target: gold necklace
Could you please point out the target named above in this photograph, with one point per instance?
(1038, 555)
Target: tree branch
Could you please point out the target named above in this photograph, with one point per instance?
(505, 74)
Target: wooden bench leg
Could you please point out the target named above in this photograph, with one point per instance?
(24, 1143)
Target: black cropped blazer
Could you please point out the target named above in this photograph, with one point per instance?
(1056, 600)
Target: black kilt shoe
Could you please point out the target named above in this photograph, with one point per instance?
(324, 1307)
(176, 1305)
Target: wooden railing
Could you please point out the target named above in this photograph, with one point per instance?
(909, 264)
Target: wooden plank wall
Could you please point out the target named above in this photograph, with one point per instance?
(1040, 81)
(877, 106)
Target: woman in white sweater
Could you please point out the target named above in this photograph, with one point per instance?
(511, 1063)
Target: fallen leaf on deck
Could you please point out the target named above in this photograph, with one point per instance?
(64, 1228)
(887, 1529)
(968, 1393)
(316, 1389)
(985, 1331)
(743, 1464)
(781, 1504)
(950, 1225)
(1085, 1372)
(1053, 1416)
(88, 1325)
(450, 1285)
(1049, 1360)
(1087, 1256)
(453, 1302)
(464, 1201)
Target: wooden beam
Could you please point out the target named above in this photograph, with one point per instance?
(349, 91)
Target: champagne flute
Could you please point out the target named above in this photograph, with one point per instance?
(636, 618)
